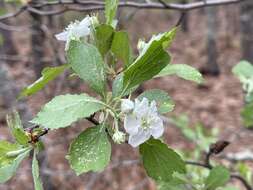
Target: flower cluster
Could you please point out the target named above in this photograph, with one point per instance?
(76, 30)
(141, 120)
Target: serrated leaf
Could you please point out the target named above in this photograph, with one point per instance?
(17, 130)
(243, 69)
(217, 177)
(87, 62)
(163, 100)
(8, 170)
(152, 59)
(104, 36)
(48, 74)
(183, 71)
(63, 110)
(121, 47)
(110, 10)
(160, 161)
(90, 151)
(35, 172)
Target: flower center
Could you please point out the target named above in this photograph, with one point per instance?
(145, 123)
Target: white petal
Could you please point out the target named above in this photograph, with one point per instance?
(86, 21)
(126, 105)
(141, 108)
(139, 138)
(131, 124)
(80, 31)
(63, 36)
(153, 108)
(157, 128)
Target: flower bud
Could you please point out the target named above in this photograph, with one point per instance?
(127, 105)
(119, 137)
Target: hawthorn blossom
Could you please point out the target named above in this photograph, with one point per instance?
(76, 30)
(143, 122)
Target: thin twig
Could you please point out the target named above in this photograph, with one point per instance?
(98, 5)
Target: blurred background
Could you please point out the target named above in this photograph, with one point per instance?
(212, 39)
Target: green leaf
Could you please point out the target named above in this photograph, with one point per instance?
(218, 177)
(118, 88)
(164, 102)
(110, 10)
(121, 47)
(35, 171)
(90, 151)
(245, 171)
(160, 161)
(63, 110)
(17, 130)
(87, 62)
(8, 170)
(243, 69)
(247, 115)
(181, 70)
(48, 74)
(6, 147)
(104, 37)
(152, 59)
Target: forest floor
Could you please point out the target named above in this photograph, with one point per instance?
(215, 104)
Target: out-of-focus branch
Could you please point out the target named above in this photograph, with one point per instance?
(77, 5)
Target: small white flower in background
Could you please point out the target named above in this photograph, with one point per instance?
(127, 105)
(76, 30)
(119, 137)
(143, 122)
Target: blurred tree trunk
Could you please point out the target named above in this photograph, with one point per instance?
(184, 24)
(212, 67)
(246, 17)
(8, 46)
(37, 42)
(8, 89)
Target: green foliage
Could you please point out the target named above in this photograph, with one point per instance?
(6, 147)
(90, 151)
(35, 172)
(247, 115)
(118, 87)
(165, 103)
(48, 74)
(110, 10)
(121, 47)
(218, 177)
(63, 110)
(87, 62)
(160, 161)
(8, 169)
(152, 59)
(104, 37)
(243, 69)
(1, 40)
(245, 171)
(14, 123)
(183, 71)
(197, 134)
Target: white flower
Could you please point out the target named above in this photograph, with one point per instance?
(119, 137)
(126, 105)
(143, 122)
(75, 30)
